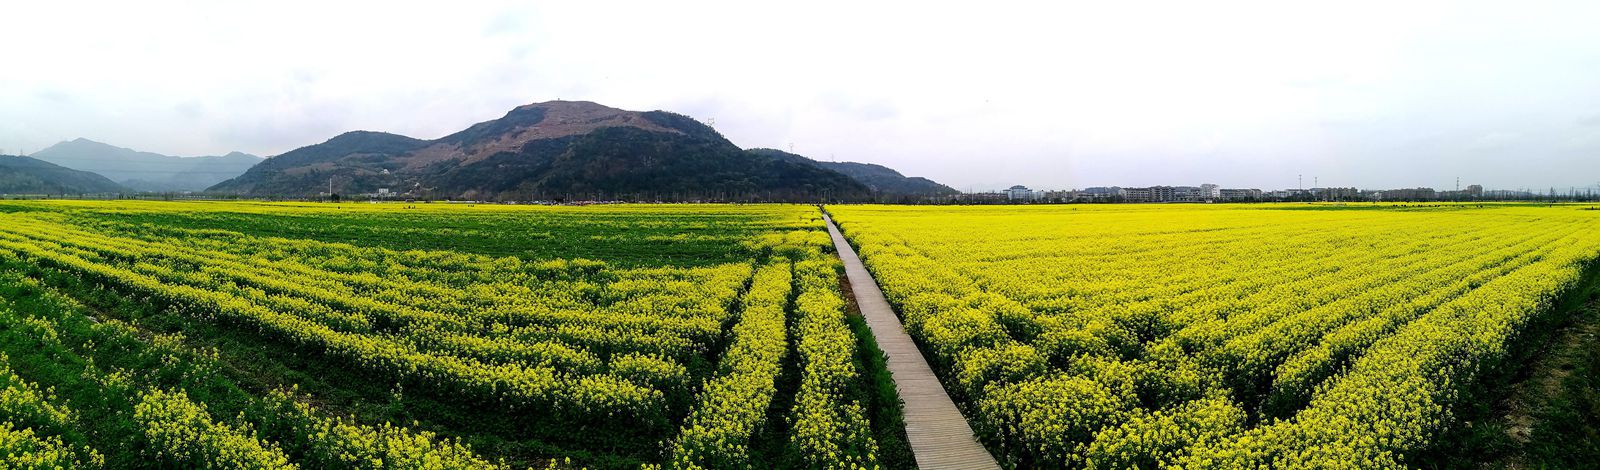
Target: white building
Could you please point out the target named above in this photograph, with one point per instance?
(1020, 193)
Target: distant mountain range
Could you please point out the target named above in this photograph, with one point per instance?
(878, 178)
(554, 150)
(551, 150)
(145, 171)
(24, 175)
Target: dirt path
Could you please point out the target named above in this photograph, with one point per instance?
(1540, 406)
(940, 437)
(1545, 409)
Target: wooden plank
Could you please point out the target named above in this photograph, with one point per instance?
(940, 437)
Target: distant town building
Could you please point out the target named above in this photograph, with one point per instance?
(1165, 193)
(1411, 194)
(1021, 193)
(1170, 194)
(1103, 193)
(1473, 191)
(1056, 196)
(1215, 193)
(1138, 194)
(1336, 194)
(1235, 195)
(987, 197)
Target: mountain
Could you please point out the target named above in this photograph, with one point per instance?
(145, 171)
(551, 150)
(878, 178)
(24, 175)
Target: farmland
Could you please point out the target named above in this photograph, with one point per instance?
(254, 335)
(279, 335)
(1222, 336)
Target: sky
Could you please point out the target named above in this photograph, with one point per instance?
(977, 95)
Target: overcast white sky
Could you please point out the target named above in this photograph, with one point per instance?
(978, 95)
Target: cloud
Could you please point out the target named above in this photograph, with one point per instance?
(1495, 140)
(1051, 95)
(52, 96)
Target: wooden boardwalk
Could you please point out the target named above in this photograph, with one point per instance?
(940, 437)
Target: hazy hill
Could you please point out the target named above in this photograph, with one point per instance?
(24, 175)
(879, 178)
(146, 171)
(558, 149)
